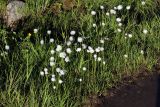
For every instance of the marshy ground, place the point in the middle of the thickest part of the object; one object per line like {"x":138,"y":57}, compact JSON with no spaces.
{"x":142,"y":92}
{"x":80,"y":53}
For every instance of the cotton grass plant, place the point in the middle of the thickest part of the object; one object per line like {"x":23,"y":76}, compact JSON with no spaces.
{"x":63,"y":67}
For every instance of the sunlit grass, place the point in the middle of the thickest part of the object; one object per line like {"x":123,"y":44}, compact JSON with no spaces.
{"x":59,"y":60}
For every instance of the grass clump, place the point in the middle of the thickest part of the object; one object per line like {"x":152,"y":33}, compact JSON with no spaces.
{"x":58,"y":60}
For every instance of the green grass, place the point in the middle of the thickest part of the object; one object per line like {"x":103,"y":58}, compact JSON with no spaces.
{"x":2,"y":8}
{"x":20,"y":81}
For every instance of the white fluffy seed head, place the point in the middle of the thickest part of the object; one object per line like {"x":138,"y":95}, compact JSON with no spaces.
{"x":107,"y":14}
{"x":94,"y":25}
{"x":52,"y":51}
{"x":130,"y":35}
{"x":103,"y":24}
{"x":95,"y":56}
{"x":125,"y":56}
{"x":106,"y":38}
{"x":99,"y":58}
{"x":54,"y":87}
{"x":145,"y":31}
{"x":115,"y":8}
{"x":93,"y":13}
{"x":69,"y":43}
{"x":45,"y":72}
{"x":84,"y":68}
{"x":7,"y":47}
{"x":68,"y":50}
{"x":112,"y":11}
{"x":80,"y":39}
{"x":101,"y":48}
{"x":84,"y":46}
{"x":51,"y":40}
{"x":49,"y":32}
{"x":78,"y":49}
{"x":53,"y":79}
{"x":67,"y":59}
{"x":42,"y":42}
{"x":128,"y":7}
{"x":118,"y":19}
{"x":102,"y":7}
{"x":104,"y":62}
{"x":102,"y":41}
{"x":60,"y":81}
{"x":45,"y":69}
{"x":35,"y":30}
{"x":72,"y":32}
{"x":51,"y":58}
{"x":97,"y":50}
{"x":71,"y":38}
{"x":58,"y":70}
{"x":42,"y":73}
{"x":80,"y":80}
{"x":119,"y":24}
{"x":59,"y":48}
{"x":53,"y":76}
{"x":61,"y":72}
{"x":119,"y":7}
{"x":142,"y":52}
{"x":52,"y":63}
{"x":62,"y":54}
{"x":119,"y":30}
{"x":143,"y":2}
{"x":90,"y":49}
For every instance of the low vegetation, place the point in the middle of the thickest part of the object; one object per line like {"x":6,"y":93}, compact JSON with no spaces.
{"x":59,"y":56}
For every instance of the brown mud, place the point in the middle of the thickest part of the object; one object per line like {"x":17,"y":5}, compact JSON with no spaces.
{"x":141,"y":93}
{"x":141,"y":90}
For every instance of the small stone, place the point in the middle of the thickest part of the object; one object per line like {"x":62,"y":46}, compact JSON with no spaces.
{"x":14,"y":12}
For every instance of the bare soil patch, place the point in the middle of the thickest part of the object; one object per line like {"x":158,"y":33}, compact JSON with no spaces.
{"x":140,"y":93}
{"x":137,"y":91}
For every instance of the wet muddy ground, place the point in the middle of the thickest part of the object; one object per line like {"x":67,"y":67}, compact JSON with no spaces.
{"x":140,"y":91}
